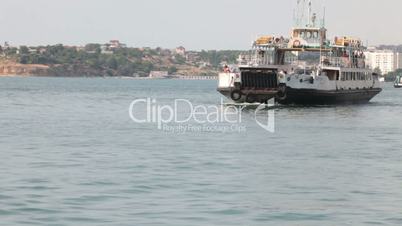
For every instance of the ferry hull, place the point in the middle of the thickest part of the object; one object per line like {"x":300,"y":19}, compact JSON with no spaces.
{"x":322,"y":97}
{"x":306,"y":96}
{"x":249,"y":96}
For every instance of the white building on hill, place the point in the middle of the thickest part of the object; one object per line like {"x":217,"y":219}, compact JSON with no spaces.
{"x":158,"y":74}
{"x":382,"y":59}
{"x":398,"y":61}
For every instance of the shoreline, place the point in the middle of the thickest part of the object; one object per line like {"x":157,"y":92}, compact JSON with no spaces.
{"x":113,"y":77}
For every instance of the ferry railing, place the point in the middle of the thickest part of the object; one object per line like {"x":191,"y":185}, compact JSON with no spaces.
{"x":262,"y":59}
{"x":343,"y":62}
{"x":347,"y":62}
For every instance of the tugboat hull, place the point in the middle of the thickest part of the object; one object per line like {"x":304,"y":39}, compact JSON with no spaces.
{"x":323,"y":97}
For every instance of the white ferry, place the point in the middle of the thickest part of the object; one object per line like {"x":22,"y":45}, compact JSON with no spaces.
{"x":306,"y":68}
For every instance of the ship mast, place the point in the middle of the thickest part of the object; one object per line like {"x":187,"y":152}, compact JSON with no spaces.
{"x":304,"y":17}
{"x":309,"y":14}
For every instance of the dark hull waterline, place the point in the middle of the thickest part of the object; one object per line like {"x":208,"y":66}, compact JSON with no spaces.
{"x":313,"y":97}
{"x":299,"y":96}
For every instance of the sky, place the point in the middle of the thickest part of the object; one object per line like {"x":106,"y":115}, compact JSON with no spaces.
{"x":196,"y":25}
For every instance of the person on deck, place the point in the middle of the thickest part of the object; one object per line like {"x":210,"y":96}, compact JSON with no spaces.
{"x":226,"y":69}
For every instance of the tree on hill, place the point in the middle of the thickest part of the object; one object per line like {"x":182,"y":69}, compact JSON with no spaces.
{"x":378,"y":71}
{"x":24,"y":50}
{"x":172,"y":70}
{"x":390,"y":77}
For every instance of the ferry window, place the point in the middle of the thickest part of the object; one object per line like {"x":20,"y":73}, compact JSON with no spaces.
{"x":301,"y":71}
{"x":309,"y":34}
{"x":315,"y":34}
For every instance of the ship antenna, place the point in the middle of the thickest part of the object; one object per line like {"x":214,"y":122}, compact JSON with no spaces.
{"x":321,"y":42}
{"x":297,"y":14}
{"x":323,"y":18}
{"x":302,"y":17}
{"x":309,"y":13}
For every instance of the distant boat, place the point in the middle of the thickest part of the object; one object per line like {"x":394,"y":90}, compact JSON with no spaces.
{"x":398,"y":81}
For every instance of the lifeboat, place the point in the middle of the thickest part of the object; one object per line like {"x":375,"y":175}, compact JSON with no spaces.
{"x":348,"y":41}
{"x":265,"y":40}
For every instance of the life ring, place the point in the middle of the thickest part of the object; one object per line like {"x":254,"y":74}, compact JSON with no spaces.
{"x":236,"y":95}
{"x":251,"y":98}
{"x":297,"y":43}
{"x":282,"y":94}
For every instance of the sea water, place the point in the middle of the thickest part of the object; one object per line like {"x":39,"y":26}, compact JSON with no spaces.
{"x":70,"y":154}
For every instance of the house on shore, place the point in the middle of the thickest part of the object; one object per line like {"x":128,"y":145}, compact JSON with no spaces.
{"x":158,"y":74}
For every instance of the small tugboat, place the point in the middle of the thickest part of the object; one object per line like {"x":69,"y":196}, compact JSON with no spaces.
{"x":306,"y":68}
{"x":398,"y":81}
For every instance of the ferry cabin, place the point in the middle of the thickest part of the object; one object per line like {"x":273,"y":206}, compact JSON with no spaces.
{"x":330,"y":78}
{"x":339,"y":66}
{"x":308,"y":37}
